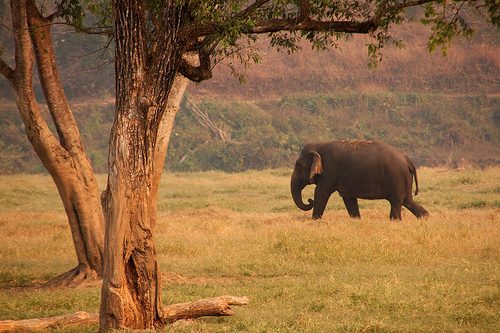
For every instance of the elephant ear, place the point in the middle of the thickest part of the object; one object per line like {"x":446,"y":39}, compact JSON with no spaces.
{"x":316,"y":167}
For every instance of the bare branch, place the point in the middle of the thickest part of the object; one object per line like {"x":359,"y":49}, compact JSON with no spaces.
{"x":104,"y":30}
{"x":98,"y":30}
{"x":252,"y":8}
{"x":205,"y":121}
{"x":6,"y":27}
{"x":6,"y":71}
{"x":57,"y":13}
{"x":413,"y":3}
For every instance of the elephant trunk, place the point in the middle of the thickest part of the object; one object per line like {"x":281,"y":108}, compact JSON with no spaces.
{"x":296,"y":188}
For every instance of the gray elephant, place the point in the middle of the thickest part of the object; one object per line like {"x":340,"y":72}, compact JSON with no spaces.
{"x":356,"y":169}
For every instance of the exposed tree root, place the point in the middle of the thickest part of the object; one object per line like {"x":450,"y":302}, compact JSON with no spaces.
{"x":217,"y":306}
{"x":80,"y":276}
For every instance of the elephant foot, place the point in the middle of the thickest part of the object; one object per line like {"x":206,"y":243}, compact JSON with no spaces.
{"x":423,"y":215}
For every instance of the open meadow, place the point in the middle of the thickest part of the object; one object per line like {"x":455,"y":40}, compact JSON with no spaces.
{"x":241,"y":234}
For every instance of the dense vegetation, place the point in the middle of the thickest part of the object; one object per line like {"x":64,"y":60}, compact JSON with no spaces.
{"x":334,"y":275}
{"x":440,"y":110}
{"x":433,"y":129}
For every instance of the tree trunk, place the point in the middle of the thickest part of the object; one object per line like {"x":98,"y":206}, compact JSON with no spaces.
{"x":131,"y":290}
{"x":167,"y":123}
{"x":64,"y":158}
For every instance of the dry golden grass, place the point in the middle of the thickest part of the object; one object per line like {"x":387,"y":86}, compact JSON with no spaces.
{"x":240,"y":234}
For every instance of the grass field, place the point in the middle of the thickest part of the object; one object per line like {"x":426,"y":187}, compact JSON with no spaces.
{"x":240,"y":234}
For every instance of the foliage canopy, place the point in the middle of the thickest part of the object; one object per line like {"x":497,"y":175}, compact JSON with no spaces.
{"x":217,"y":29}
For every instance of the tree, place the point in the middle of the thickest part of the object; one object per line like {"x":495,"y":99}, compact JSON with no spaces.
{"x":63,"y":156}
{"x":152,"y":38}
{"x":155,"y":42}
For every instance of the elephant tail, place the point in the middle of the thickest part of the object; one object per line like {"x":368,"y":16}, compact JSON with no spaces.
{"x":413,"y":171}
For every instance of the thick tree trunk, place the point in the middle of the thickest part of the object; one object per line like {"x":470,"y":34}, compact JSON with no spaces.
{"x":64,"y":158}
{"x":131,"y":291}
{"x":130,"y":295}
{"x":85,"y":219}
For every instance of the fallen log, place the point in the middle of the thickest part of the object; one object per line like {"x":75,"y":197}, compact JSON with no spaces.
{"x":217,"y":306}
{"x":39,"y":324}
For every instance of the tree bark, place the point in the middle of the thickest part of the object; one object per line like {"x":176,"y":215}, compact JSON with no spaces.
{"x":64,"y":157}
{"x":167,"y":123}
{"x":131,"y":291}
{"x":42,"y":324}
{"x":216,"y":306}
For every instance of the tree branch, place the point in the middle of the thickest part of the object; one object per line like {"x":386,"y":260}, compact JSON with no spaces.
{"x":383,"y":9}
{"x":57,"y":13}
{"x":201,"y":72}
{"x":304,"y":10}
{"x":6,"y":71}
{"x":413,"y":3}
{"x":275,"y":25}
{"x":251,"y":8}
{"x":301,"y":22}
{"x":57,"y":102}
{"x":97,"y":30}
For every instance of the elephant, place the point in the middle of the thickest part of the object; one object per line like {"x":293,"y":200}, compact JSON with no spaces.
{"x":355,"y":169}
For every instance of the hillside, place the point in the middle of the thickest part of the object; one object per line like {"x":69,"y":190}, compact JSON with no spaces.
{"x":433,"y":129}
{"x":471,"y":66}
{"x":441,"y":110}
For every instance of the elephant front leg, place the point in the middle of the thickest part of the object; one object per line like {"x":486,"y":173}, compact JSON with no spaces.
{"x":320,"y":200}
{"x":352,"y":207}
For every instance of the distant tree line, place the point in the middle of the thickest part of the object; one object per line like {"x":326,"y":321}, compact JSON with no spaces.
{"x":433,"y":129}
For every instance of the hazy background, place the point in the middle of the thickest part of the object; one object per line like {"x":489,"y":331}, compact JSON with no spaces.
{"x":440,"y":110}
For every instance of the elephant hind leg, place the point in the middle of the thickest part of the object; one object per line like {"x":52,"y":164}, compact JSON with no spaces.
{"x":415,"y":208}
{"x":351,"y":204}
{"x":395,"y":210}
